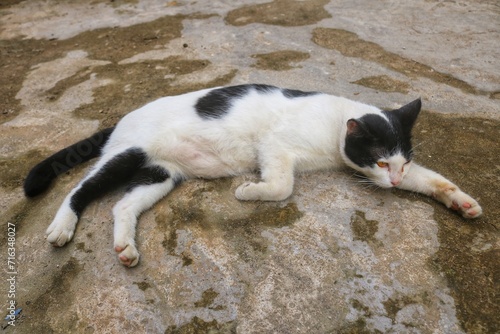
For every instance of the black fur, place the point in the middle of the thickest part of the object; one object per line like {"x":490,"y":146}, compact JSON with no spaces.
{"x":125,"y":168}
{"x":293,"y":93}
{"x":373,"y":137}
{"x":40,"y":177}
{"x":178,"y":179}
{"x":218,"y":101}
{"x":148,"y":175}
{"x":406,"y":115}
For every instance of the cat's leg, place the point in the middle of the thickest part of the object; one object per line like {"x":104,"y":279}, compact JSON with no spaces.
{"x":149,"y":185}
{"x":428,"y":182}
{"x":62,"y":228}
{"x":110,"y":172}
{"x":277,"y":179}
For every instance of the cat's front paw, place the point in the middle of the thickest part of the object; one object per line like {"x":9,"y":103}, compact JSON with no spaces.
{"x":457,"y":200}
{"x":247,"y":192}
{"x":467,"y":206}
{"x":128,"y":255}
{"x":263,"y":191}
{"x":61,"y":230}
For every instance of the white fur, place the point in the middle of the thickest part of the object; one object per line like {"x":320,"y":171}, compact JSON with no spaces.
{"x":270,"y":132}
{"x":386,"y":177}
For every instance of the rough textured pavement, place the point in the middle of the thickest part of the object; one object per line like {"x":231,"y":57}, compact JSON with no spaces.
{"x":336,"y":257}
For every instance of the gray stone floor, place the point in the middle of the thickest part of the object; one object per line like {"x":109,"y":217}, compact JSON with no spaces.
{"x":336,"y":257}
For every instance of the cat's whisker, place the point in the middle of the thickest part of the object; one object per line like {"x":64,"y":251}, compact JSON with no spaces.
{"x":412,"y":151}
{"x":357,"y":174}
{"x":365,"y":181}
{"x":361,"y":178}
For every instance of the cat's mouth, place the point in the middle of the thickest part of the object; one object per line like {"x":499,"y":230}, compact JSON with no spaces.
{"x":385,"y":184}
{"x":381,"y":184}
{"x":372,"y":182}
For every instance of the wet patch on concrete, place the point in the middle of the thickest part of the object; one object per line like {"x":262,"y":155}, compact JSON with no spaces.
{"x":198,"y":325}
{"x":117,"y":3}
{"x":279,"y":60}
{"x":357,"y":327}
{"x":364,"y":229}
{"x":8,"y":3}
{"x":351,"y":45}
{"x":17,"y":57}
{"x":130,"y":95}
{"x":81,"y":247}
{"x":60,"y":291}
{"x":470,"y":159}
{"x":207,"y":298}
{"x":384,"y":83}
{"x":134,"y":85}
{"x":13,"y":171}
{"x":280,"y":12}
{"x":240,"y":223}
{"x":143,"y":286}
{"x":115,"y":44}
{"x":109,"y":44}
{"x":394,"y":305}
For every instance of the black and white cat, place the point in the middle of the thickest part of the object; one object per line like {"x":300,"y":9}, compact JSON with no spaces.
{"x":228,"y":131}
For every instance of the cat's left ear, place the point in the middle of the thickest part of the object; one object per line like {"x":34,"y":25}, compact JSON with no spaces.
{"x":407,"y":114}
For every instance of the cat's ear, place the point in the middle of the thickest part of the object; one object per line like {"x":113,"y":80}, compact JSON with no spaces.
{"x":356,"y":128}
{"x":407,"y":114}
{"x":352,"y":126}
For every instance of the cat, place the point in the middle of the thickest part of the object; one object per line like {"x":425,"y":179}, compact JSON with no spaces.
{"x":227,"y":131}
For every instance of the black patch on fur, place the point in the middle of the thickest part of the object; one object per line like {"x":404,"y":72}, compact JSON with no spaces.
{"x":406,"y":115}
{"x":117,"y":172}
{"x":148,"y":175}
{"x":371,"y":140}
{"x":263,"y":88}
{"x":178,"y":180}
{"x":373,"y":137}
{"x":218,"y":101}
{"x":293,"y":93}
{"x":40,"y":177}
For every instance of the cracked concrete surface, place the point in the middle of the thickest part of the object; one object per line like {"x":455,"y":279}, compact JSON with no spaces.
{"x":336,"y":257}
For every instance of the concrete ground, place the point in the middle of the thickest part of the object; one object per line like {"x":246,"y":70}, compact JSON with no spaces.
{"x":336,"y":257}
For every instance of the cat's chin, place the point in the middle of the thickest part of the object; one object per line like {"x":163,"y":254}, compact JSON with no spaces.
{"x":385,"y":185}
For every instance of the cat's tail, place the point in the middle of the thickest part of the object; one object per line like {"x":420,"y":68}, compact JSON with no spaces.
{"x":40,"y":177}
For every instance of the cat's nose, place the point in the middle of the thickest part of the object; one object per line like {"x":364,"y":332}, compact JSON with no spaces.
{"x":395,"y":182}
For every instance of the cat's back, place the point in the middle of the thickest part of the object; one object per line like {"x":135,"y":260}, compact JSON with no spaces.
{"x":239,"y":113}
{"x":239,"y":108}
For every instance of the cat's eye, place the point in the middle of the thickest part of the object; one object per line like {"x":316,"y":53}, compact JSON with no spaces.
{"x":382,"y":164}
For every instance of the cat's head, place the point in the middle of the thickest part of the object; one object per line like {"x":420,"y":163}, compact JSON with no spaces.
{"x":379,"y":145}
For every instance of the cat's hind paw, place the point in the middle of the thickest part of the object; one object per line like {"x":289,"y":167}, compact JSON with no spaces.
{"x":61,"y":230}
{"x":128,"y":255}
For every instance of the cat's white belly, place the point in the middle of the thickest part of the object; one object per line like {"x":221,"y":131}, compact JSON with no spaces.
{"x":209,"y":160}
